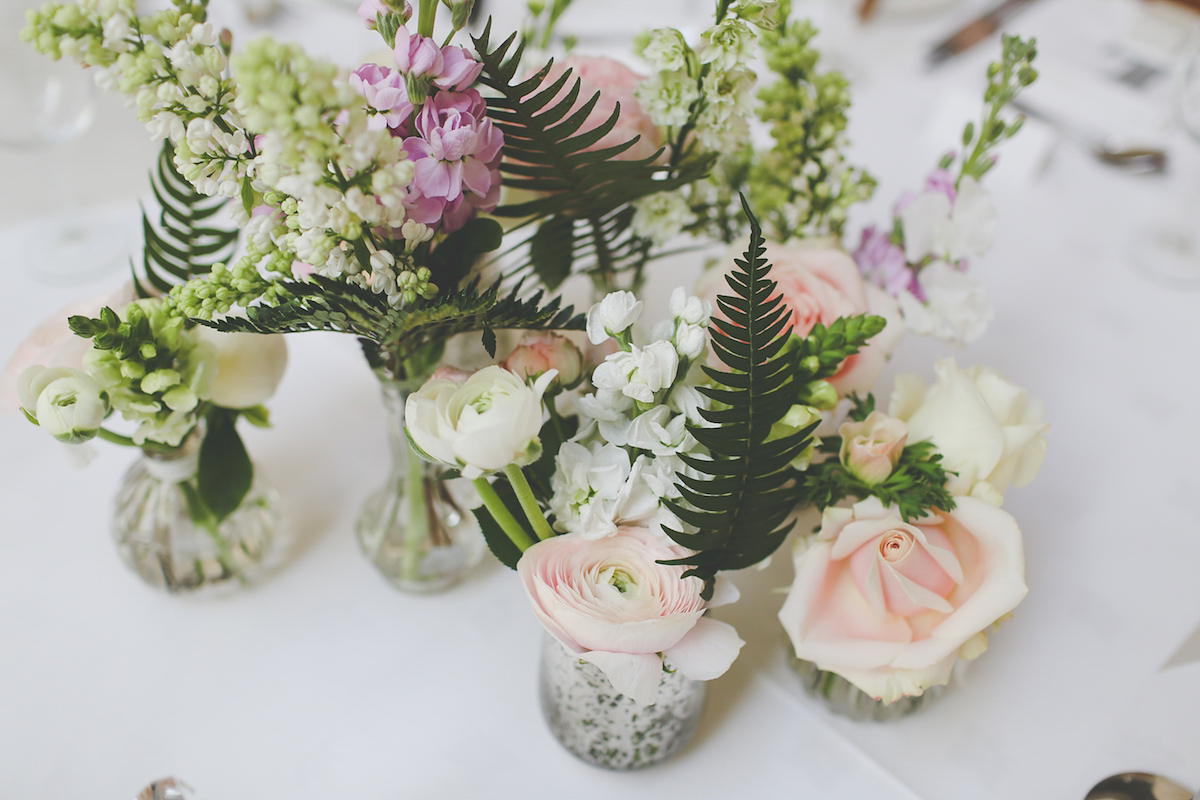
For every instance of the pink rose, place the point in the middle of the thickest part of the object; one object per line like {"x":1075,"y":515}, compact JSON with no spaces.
{"x":890,"y":605}
{"x":819,"y":282}
{"x":612,"y":603}
{"x":542,"y":351}
{"x":52,"y":344}
{"x":872,"y":448}
{"x":616,"y":83}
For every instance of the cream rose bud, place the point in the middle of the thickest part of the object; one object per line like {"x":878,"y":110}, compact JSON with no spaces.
{"x":67,"y":403}
{"x":490,"y":420}
{"x":541,"y":351}
{"x":610,"y":601}
{"x":989,"y":431}
{"x":872,"y":448}
{"x":613,"y":315}
{"x":890,"y":605}
{"x":249,"y":367}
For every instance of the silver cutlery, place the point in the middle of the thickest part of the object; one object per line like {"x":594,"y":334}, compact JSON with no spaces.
{"x":1105,"y":148}
{"x":1138,"y":786}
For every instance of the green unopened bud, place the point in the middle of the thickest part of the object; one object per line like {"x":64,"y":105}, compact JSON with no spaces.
{"x":822,"y":395}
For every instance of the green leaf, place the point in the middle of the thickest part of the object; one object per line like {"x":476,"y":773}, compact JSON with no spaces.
{"x":489,"y":342}
{"x":497,"y":540}
{"x":551,"y":251}
{"x":224,"y":473}
{"x":258,"y":416}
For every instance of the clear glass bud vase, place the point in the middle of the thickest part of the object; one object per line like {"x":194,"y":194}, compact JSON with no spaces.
{"x":417,"y":530}
{"x":158,"y":538}
{"x":843,"y":697}
{"x":607,"y":729}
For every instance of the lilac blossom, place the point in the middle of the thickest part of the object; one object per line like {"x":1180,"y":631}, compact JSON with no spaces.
{"x":882,"y":262}
{"x":456,"y":160}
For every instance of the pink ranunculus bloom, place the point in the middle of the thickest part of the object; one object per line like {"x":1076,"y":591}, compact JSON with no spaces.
{"x":52,"y":344}
{"x":819,"y":282}
{"x":882,"y":263}
{"x":872,"y":448}
{"x":542,"y":351}
{"x":610,"y":601}
{"x":385,"y":91}
{"x":890,"y":605}
{"x":616,"y":83}
{"x":416,"y":54}
{"x":456,"y":155}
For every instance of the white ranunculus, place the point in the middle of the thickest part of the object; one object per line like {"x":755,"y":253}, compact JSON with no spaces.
{"x":955,"y":309}
{"x":490,"y":420}
{"x":249,"y":367}
{"x":988,"y":430}
{"x":67,"y":403}
{"x":640,"y":373}
{"x":613,"y":315}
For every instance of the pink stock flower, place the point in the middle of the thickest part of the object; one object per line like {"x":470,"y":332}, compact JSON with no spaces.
{"x":385,"y":91}
{"x":882,"y":262}
{"x":416,"y":54}
{"x":890,"y":605}
{"x":616,"y":83}
{"x":456,"y":160}
{"x":610,"y":601}
{"x":369,"y":10}
{"x":459,"y":69}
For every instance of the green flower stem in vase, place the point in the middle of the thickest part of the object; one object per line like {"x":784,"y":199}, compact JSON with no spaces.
{"x":164,"y":533}
{"x":843,"y":697}
{"x":416,"y":529}
{"x":607,"y":729}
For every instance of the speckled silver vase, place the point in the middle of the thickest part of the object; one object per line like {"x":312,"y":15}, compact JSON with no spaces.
{"x":843,"y":697}
{"x":607,"y":729}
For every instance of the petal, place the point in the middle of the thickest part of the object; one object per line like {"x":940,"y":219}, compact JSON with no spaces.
{"x":707,"y":650}
{"x":635,"y":676}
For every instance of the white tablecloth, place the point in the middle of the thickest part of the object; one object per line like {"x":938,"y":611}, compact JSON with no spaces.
{"x":323,"y":682}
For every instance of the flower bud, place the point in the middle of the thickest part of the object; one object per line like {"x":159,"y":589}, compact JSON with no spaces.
{"x":542,"y":351}
{"x":872,"y":448}
{"x":612,"y":316}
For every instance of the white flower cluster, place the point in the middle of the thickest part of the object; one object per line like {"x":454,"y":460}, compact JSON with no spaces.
{"x":661,"y":217}
{"x":625,"y":459}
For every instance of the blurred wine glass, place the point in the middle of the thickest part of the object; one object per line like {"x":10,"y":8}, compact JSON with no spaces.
{"x":1168,"y":250}
{"x":44,"y":103}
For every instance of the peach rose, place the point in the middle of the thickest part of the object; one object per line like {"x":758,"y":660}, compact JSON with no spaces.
{"x":872,"y":448}
{"x":820,"y":282}
{"x":616,"y":83}
{"x":890,"y":605}
{"x":612,"y":603}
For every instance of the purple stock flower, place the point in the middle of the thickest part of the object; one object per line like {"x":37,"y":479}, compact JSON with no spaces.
{"x":368,"y":10}
{"x":459,"y":69}
{"x":385,"y":91}
{"x":456,"y":160}
{"x":882,"y":262}
{"x":417,"y":55}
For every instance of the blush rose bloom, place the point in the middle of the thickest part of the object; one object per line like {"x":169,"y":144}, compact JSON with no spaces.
{"x":486,"y":422}
{"x":988,"y":430}
{"x":820,"y":282}
{"x":890,"y":605}
{"x":541,"y":351}
{"x":872,"y":448}
{"x":616,"y":83}
{"x":610,"y":602}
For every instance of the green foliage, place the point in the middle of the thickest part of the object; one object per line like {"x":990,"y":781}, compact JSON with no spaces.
{"x":224,"y":472}
{"x":1006,"y":78}
{"x":497,"y":540}
{"x":183,"y":243}
{"x":580,"y":203}
{"x":741,"y":504}
{"x":396,"y":338}
{"x":916,"y":485}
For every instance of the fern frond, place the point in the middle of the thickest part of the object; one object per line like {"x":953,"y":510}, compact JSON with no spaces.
{"x":741,"y":503}
{"x":183,"y":243}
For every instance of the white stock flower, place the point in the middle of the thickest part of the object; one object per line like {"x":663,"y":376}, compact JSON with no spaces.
{"x":690,"y":341}
{"x":660,"y":432}
{"x":952,"y":231}
{"x":639,"y":374}
{"x":955,"y":308}
{"x":598,"y":489}
{"x":661,"y":217}
{"x":668,"y":97}
{"x":666,"y":51}
{"x":689,"y":308}
{"x":67,"y":403}
{"x":484,"y":424}
{"x":613,"y":315}
{"x":727,"y":44}
{"x":989,"y":431}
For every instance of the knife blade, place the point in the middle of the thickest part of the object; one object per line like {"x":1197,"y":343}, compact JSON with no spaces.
{"x":974,"y":31}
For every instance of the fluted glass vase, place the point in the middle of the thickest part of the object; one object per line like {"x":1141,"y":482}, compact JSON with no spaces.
{"x":843,"y":697}
{"x":417,"y":530}
{"x":162,"y":535}
{"x":607,"y":729}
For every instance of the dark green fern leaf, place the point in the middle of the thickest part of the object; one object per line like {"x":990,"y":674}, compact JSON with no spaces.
{"x":740,"y":508}
{"x":183,"y":243}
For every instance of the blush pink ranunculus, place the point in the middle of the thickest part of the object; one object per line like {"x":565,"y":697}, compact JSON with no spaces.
{"x":890,"y":605}
{"x":52,"y":344}
{"x":610,"y":601}
{"x":616,"y":83}
{"x":542,"y":351}
{"x":820,"y":282}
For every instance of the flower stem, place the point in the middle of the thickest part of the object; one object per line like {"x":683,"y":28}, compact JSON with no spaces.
{"x":528,"y":502}
{"x":417,"y":529}
{"x":501,"y":514}
{"x":427,"y":15}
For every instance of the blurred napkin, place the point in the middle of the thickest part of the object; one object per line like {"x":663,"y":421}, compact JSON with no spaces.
{"x":1187,"y":653}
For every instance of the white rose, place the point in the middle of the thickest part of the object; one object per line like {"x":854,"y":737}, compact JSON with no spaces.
{"x":490,"y":420}
{"x":67,"y":403}
{"x":988,"y":430}
{"x":613,"y":315}
{"x":249,"y":367}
